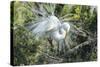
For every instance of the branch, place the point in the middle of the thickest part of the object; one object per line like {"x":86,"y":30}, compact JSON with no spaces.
{"x":54,"y":58}
{"x":81,"y":45}
{"x":51,"y":57}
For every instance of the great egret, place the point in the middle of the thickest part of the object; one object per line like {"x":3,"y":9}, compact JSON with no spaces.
{"x":52,"y":28}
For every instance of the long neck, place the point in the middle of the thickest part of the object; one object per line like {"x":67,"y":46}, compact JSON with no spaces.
{"x":62,"y":32}
{"x":59,"y":34}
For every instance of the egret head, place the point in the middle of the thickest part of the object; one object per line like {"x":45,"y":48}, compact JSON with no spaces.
{"x":66,"y":26}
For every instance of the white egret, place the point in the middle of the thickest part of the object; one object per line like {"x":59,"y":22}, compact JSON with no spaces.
{"x":50,"y":27}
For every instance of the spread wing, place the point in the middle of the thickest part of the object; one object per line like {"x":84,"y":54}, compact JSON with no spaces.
{"x":42,"y":28}
{"x":44,"y":24}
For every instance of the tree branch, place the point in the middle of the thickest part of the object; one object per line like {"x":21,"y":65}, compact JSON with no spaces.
{"x":81,"y":45}
{"x":52,"y":57}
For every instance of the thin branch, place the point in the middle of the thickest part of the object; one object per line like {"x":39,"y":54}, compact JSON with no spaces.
{"x":81,"y":45}
{"x":49,"y":56}
{"x":52,"y":57}
{"x":67,"y":15}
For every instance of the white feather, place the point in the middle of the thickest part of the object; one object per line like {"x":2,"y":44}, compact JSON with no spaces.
{"x":51,"y":23}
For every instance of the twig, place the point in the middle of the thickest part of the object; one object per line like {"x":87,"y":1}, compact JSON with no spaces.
{"x":81,"y":45}
{"x":51,"y":57}
{"x":55,"y":58}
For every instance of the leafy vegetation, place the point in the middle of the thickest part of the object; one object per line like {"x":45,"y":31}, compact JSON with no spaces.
{"x":27,"y":50}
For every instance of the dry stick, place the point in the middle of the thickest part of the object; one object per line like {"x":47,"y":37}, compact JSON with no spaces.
{"x":81,"y":45}
{"x":52,"y":57}
{"x":55,"y":58}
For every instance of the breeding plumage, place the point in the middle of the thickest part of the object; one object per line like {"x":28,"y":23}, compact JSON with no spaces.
{"x":49,"y":26}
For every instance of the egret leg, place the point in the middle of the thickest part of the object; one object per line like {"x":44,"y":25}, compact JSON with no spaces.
{"x":64,"y":46}
{"x":50,"y":41}
{"x":59,"y":47}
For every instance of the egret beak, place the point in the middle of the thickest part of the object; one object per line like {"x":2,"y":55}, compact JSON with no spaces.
{"x":68,"y":47}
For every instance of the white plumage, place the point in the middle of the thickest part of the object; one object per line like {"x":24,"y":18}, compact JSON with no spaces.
{"x":52,"y":28}
{"x":46,"y":26}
